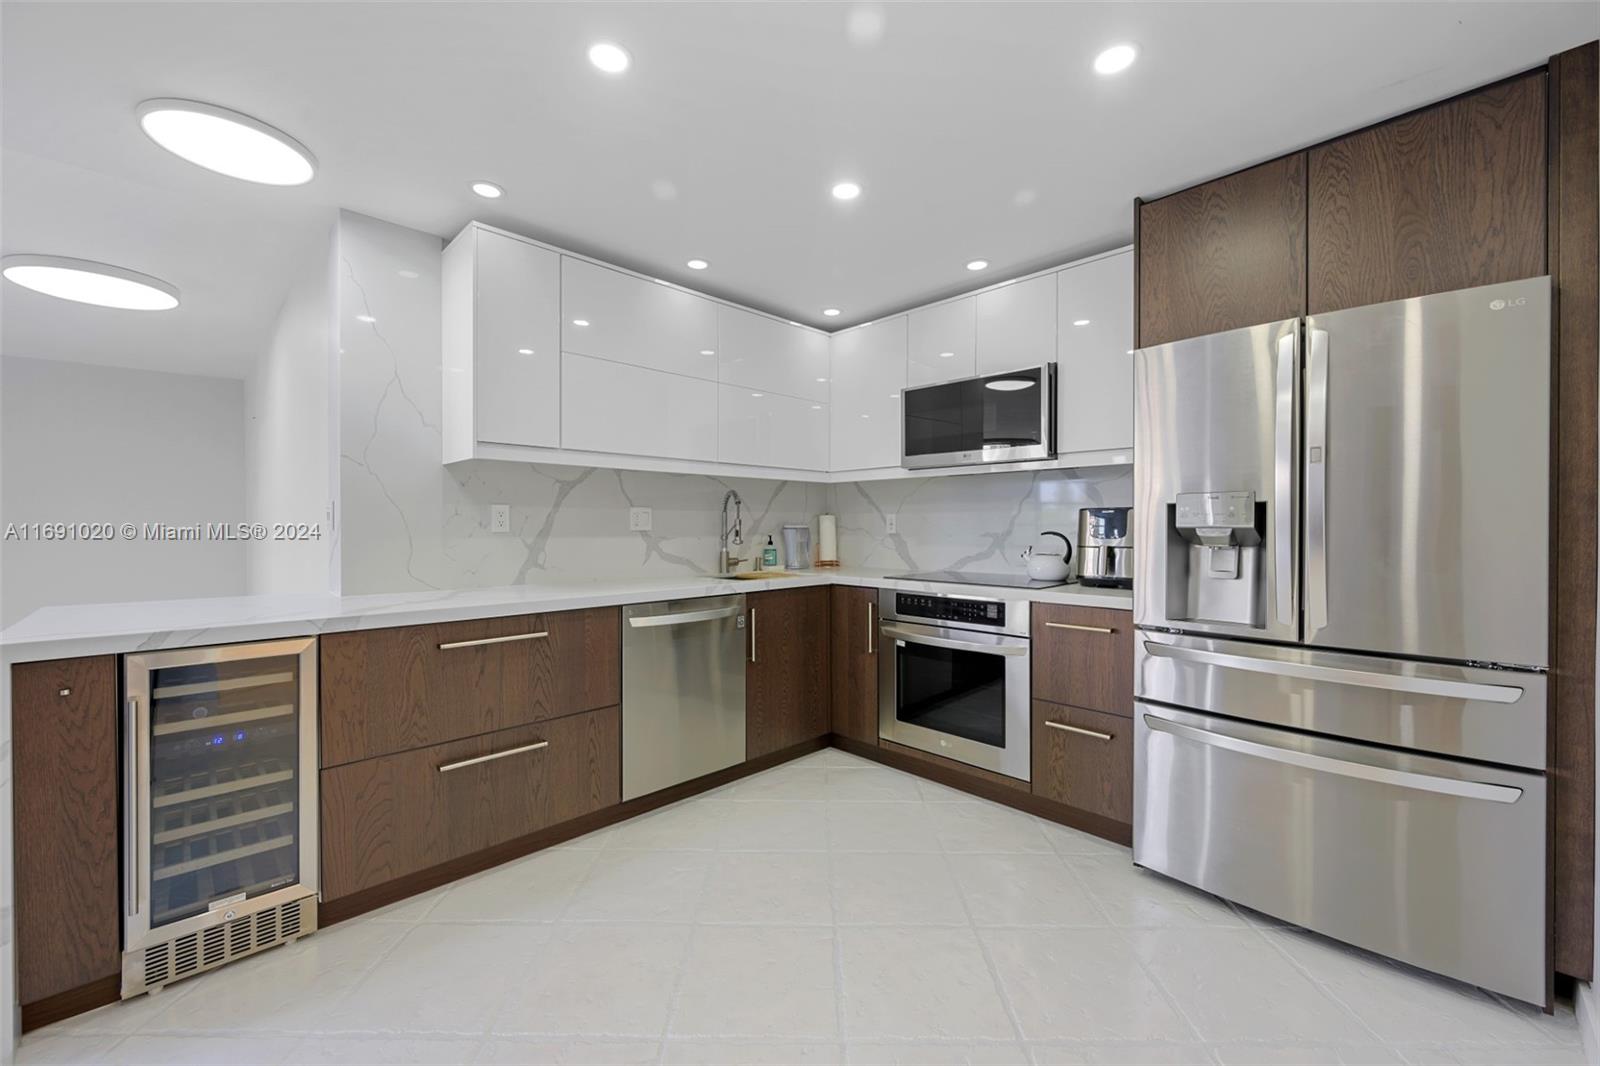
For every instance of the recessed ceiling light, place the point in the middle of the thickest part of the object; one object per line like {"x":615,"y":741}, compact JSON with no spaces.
{"x":822,"y":379}
{"x":1081,"y":322}
{"x":524,"y":351}
{"x":488,"y":190}
{"x":580,"y":322}
{"x":831,"y":312}
{"x":816,"y":407}
{"x":697,"y":264}
{"x":846,"y":190}
{"x":978,"y":264}
{"x":365,"y":318}
{"x":1116,"y":59}
{"x":611,"y":58}
{"x":88,"y":282}
{"x":757,"y":395}
{"x":227,"y":142}
{"x":708,"y":351}
{"x":947,"y":355}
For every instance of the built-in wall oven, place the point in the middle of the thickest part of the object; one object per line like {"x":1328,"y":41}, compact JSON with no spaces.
{"x":996,"y":418}
{"x":953,"y":677}
{"x":221,"y":806}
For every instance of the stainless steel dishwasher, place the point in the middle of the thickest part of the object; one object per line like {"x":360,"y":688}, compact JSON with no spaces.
{"x":682,"y":690}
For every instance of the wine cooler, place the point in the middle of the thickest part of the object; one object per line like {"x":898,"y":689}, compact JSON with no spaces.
{"x":220,"y":801}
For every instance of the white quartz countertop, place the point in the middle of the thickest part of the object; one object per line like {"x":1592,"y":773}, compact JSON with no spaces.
{"x":109,"y":628}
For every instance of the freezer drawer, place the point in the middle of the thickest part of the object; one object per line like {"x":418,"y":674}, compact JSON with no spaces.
{"x":1436,"y":863}
{"x":1493,"y":716}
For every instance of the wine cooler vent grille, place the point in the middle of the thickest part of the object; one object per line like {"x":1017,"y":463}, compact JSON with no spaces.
{"x":196,"y":952}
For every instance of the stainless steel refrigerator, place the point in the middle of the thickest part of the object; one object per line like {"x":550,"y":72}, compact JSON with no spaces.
{"x":1342,"y":546}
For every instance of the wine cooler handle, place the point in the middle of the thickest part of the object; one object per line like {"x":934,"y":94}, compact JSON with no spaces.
{"x":130,"y":792}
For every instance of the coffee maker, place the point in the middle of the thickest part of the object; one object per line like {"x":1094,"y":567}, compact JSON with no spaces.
{"x":1105,"y":547}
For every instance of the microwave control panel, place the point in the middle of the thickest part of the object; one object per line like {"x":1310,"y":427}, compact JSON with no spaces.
{"x":951,"y":609}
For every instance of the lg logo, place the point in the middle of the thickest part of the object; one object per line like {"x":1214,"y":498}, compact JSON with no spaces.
{"x":1501,"y":305}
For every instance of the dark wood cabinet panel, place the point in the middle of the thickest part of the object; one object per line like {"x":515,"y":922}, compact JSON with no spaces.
{"x":1223,"y":255}
{"x":1442,"y":199}
{"x":1575,"y":273}
{"x":854,"y":629}
{"x":65,"y":759}
{"x":1083,"y":656}
{"x":389,"y":817}
{"x":787,"y":671}
{"x":1084,"y":759}
{"x":391,"y":690}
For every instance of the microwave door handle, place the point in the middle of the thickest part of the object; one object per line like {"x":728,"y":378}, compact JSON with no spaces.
{"x":1283,"y":575}
{"x":908,"y":637}
{"x":1316,"y":597}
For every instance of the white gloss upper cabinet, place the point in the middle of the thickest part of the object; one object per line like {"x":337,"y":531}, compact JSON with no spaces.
{"x":869,"y":370}
{"x":500,"y":344}
{"x":758,"y":428}
{"x":1094,"y":371}
{"x":942,"y":342}
{"x":766,"y":354}
{"x":1016,"y":325}
{"x":632,"y":410}
{"x":611,"y":315}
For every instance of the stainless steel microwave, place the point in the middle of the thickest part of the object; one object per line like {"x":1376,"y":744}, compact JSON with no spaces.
{"x":996,"y":418}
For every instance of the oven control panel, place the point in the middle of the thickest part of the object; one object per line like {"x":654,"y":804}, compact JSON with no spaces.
{"x":951,"y":609}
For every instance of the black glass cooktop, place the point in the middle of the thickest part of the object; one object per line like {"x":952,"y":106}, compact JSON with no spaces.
{"x":963,"y":577}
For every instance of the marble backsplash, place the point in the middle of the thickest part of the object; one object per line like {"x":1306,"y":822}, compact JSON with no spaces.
{"x":974,"y":522}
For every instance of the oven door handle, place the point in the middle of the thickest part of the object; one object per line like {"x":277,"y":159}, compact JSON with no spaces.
{"x":909,"y":637}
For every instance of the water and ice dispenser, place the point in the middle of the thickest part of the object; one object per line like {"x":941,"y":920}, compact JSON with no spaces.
{"x":1218,"y":577}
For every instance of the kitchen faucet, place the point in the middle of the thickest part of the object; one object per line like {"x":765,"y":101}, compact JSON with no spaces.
{"x":726,"y":562}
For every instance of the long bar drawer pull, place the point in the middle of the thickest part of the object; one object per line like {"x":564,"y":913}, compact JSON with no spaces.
{"x":493,"y":640}
{"x":492,"y":756}
{"x":1339,"y":675}
{"x":1081,"y":629}
{"x":1448,"y":786}
{"x":1065,"y":728}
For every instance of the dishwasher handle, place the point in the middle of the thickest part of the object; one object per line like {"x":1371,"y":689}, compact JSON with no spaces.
{"x":684,"y":618}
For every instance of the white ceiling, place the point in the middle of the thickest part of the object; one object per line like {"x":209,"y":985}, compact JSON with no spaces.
{"x":976,"y":129}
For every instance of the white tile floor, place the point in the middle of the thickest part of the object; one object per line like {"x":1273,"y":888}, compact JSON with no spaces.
{"x":827,"y":911}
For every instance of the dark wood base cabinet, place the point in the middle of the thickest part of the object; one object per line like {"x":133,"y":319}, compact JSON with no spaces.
{"x":65,"y":767}
{"x":1084,"y":759}
{"x":386,"y":818}
{"x":854,"y":629}
{"x":787,"y":671}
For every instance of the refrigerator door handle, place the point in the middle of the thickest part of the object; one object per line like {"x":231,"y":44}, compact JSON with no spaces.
{"x":1338,"y":675}
{"x":1283,"y":575}
{"x":1316,"y":479}
{"x":1480,"y":790}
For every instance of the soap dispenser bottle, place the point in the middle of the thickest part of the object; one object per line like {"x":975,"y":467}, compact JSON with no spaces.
{"x":769,"y":554}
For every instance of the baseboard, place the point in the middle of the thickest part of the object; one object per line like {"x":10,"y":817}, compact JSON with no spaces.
{"x":42,"y":1012}
{"x":1586,"y":1003}
{"x":330,"y":911}
{"x":1009,"y":794}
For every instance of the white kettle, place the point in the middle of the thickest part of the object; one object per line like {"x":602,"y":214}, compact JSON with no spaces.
{"x":1049,"y":566}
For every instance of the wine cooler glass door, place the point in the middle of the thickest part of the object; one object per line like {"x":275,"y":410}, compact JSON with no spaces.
{"x":222,"y":756}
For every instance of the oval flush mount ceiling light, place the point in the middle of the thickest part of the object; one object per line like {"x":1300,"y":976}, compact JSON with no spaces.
{"x":846,"y":190}
{"x":1116,"y":59}
{"x":488,"y":190}
{"x":227,"y":142}
{"x":978,"y":264}
{"x":697,"y":264}
{"x":831,"y":312}
{"x":88,"y":282}
{"x":610,"y":58}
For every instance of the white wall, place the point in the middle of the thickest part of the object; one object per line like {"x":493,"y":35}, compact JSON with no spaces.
{"x":82,"y":443}
{"x":290,"y":437}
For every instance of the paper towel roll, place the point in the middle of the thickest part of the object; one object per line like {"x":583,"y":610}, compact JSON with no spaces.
{"x":827,"y":538}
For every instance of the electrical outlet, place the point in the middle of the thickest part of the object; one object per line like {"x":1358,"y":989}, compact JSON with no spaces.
{"x":889,"y":523}
{"x":638,"y":519}
{"x":499,"y":518}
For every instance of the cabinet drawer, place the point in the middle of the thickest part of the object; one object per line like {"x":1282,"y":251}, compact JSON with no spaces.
{"x":1083,"y":656}
{"x":390,"y":690}
{"x":1084,"y":759}
{"x":393,"y":816}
